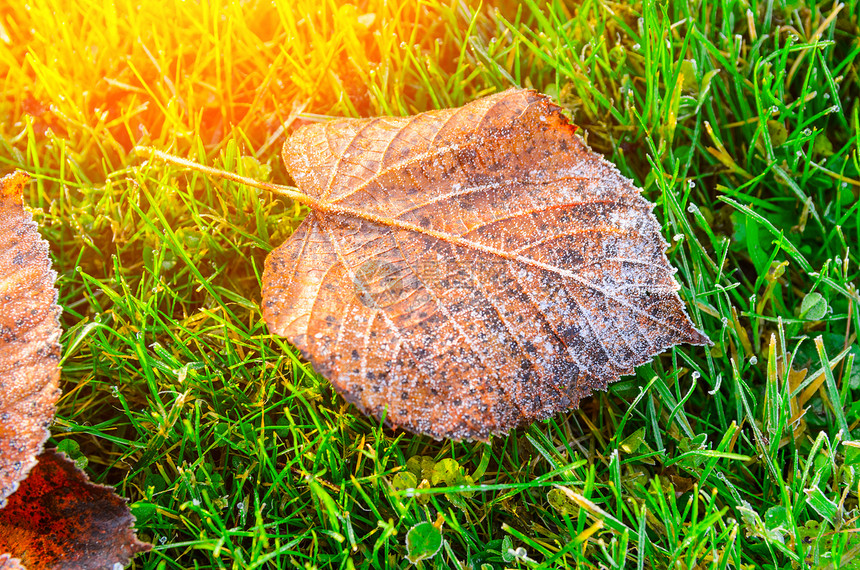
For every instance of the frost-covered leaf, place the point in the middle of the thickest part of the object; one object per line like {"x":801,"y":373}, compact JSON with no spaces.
{"x":423,"y":541}
{"x":468,"y":270}
{"x":820,"y":503}
{"x":29,"y":334}
{"x":813,"y":307}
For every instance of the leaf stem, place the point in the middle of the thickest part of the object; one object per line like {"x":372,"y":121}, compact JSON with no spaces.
{"x":320,"y":205}
{"x":286,"y":191}
{"x":323,"y":206}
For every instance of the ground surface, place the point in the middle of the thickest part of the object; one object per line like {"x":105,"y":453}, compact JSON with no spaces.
{"x":741,"y":121}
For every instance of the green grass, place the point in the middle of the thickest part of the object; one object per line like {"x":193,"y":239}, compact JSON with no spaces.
{"x":740,"y":121}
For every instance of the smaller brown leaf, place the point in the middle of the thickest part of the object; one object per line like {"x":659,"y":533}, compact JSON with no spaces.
{"x":29,"y":331}
{"x":58,"y":519}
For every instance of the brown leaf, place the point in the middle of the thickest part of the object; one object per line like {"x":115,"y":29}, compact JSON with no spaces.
{"x":29,"y":331}
{"x":58,"y":519}
{"x":469,"y":270}
{"x":54,"y":517}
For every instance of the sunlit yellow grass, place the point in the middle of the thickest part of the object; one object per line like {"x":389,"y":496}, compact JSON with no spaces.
{"x":105,"y":77}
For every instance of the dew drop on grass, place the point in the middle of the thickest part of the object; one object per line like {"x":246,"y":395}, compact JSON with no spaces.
{"x":753,"y":360}
{"x":520,"y":553}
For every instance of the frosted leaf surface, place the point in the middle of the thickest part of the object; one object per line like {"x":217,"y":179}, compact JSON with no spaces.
{"x":29,"y":334}
{"x":533,"y":272}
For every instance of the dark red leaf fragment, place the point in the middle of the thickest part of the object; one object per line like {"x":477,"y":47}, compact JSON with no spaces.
{"x":58,"y":519}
